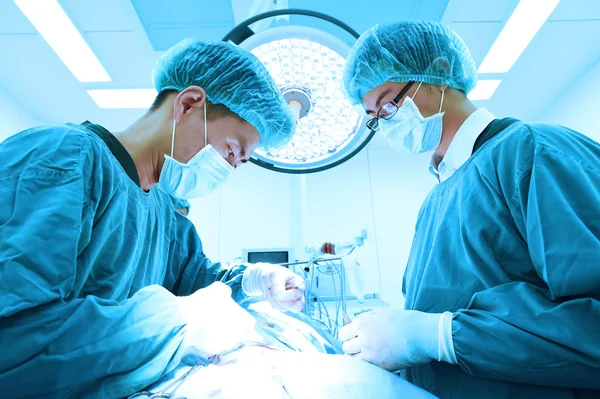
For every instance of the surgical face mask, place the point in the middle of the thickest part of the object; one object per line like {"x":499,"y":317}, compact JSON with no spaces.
{"x":409,"y":131}
{"x":204,"y":173}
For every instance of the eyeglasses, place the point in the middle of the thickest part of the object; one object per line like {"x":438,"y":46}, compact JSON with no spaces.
{"x":389,"y":109}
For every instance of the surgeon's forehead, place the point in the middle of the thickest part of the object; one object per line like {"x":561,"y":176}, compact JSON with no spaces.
{"x":248,"y":138}
{"x":380,"y":95}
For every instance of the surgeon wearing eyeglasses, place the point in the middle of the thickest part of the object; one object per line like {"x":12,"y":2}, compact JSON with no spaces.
{"x":502,"y":286}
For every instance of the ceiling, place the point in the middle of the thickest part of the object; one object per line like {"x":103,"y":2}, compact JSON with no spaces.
{"x":563,"y":50}
{"x":128,"y":35}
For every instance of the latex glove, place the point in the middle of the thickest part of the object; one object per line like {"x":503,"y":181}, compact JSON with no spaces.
{"x":395,"y":339}
{"x":215,"y":323}
{"x":282,"y":288}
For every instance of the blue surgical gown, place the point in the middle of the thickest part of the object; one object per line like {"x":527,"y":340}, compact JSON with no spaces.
{"x":511,"y":244}
{"x":90,"y":266}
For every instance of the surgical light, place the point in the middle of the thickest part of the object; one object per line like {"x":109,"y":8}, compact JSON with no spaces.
{"x":56,"y":28}
{"x":522,"y":26}
{"x":307,"y":66}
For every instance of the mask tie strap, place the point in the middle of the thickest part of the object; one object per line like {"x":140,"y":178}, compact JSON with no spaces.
{"x":205,"y":130}
{"x":416,"y":91}
{"x":442,"y":102}
{"x":173,"y":138}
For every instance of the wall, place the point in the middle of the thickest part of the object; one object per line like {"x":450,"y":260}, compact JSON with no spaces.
{"x":13,"y":116}
{"x":577,"y":107}
{"x":251,"y":210}
{"x":400,"y":184}
{"x":379,"y":189}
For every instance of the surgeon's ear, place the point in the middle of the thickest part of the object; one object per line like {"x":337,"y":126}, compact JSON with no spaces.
{"x":189,"y":100}
{"x":439,"y":67}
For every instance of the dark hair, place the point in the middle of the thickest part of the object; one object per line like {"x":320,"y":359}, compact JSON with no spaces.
{"x":213,"y":111}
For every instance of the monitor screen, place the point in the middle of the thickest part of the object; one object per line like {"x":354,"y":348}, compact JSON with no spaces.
{"x":269,"y":257}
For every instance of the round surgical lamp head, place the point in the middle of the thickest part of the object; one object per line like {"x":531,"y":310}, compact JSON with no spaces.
{"x":307,"y":66}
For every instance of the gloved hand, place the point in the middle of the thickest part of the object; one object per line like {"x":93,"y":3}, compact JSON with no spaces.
{"x":395,"y":339}
{"x":283,"y":288}
{"x":215,"y":323}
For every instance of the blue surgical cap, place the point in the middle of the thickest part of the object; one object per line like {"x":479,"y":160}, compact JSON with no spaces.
{"x":233,"y":77}
{"x":426,"y":52}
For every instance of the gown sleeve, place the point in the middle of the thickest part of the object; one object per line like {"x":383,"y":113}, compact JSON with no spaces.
{"x":190,"y":269}
{"x":546,"y":334}
{"x":53,"y":343}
